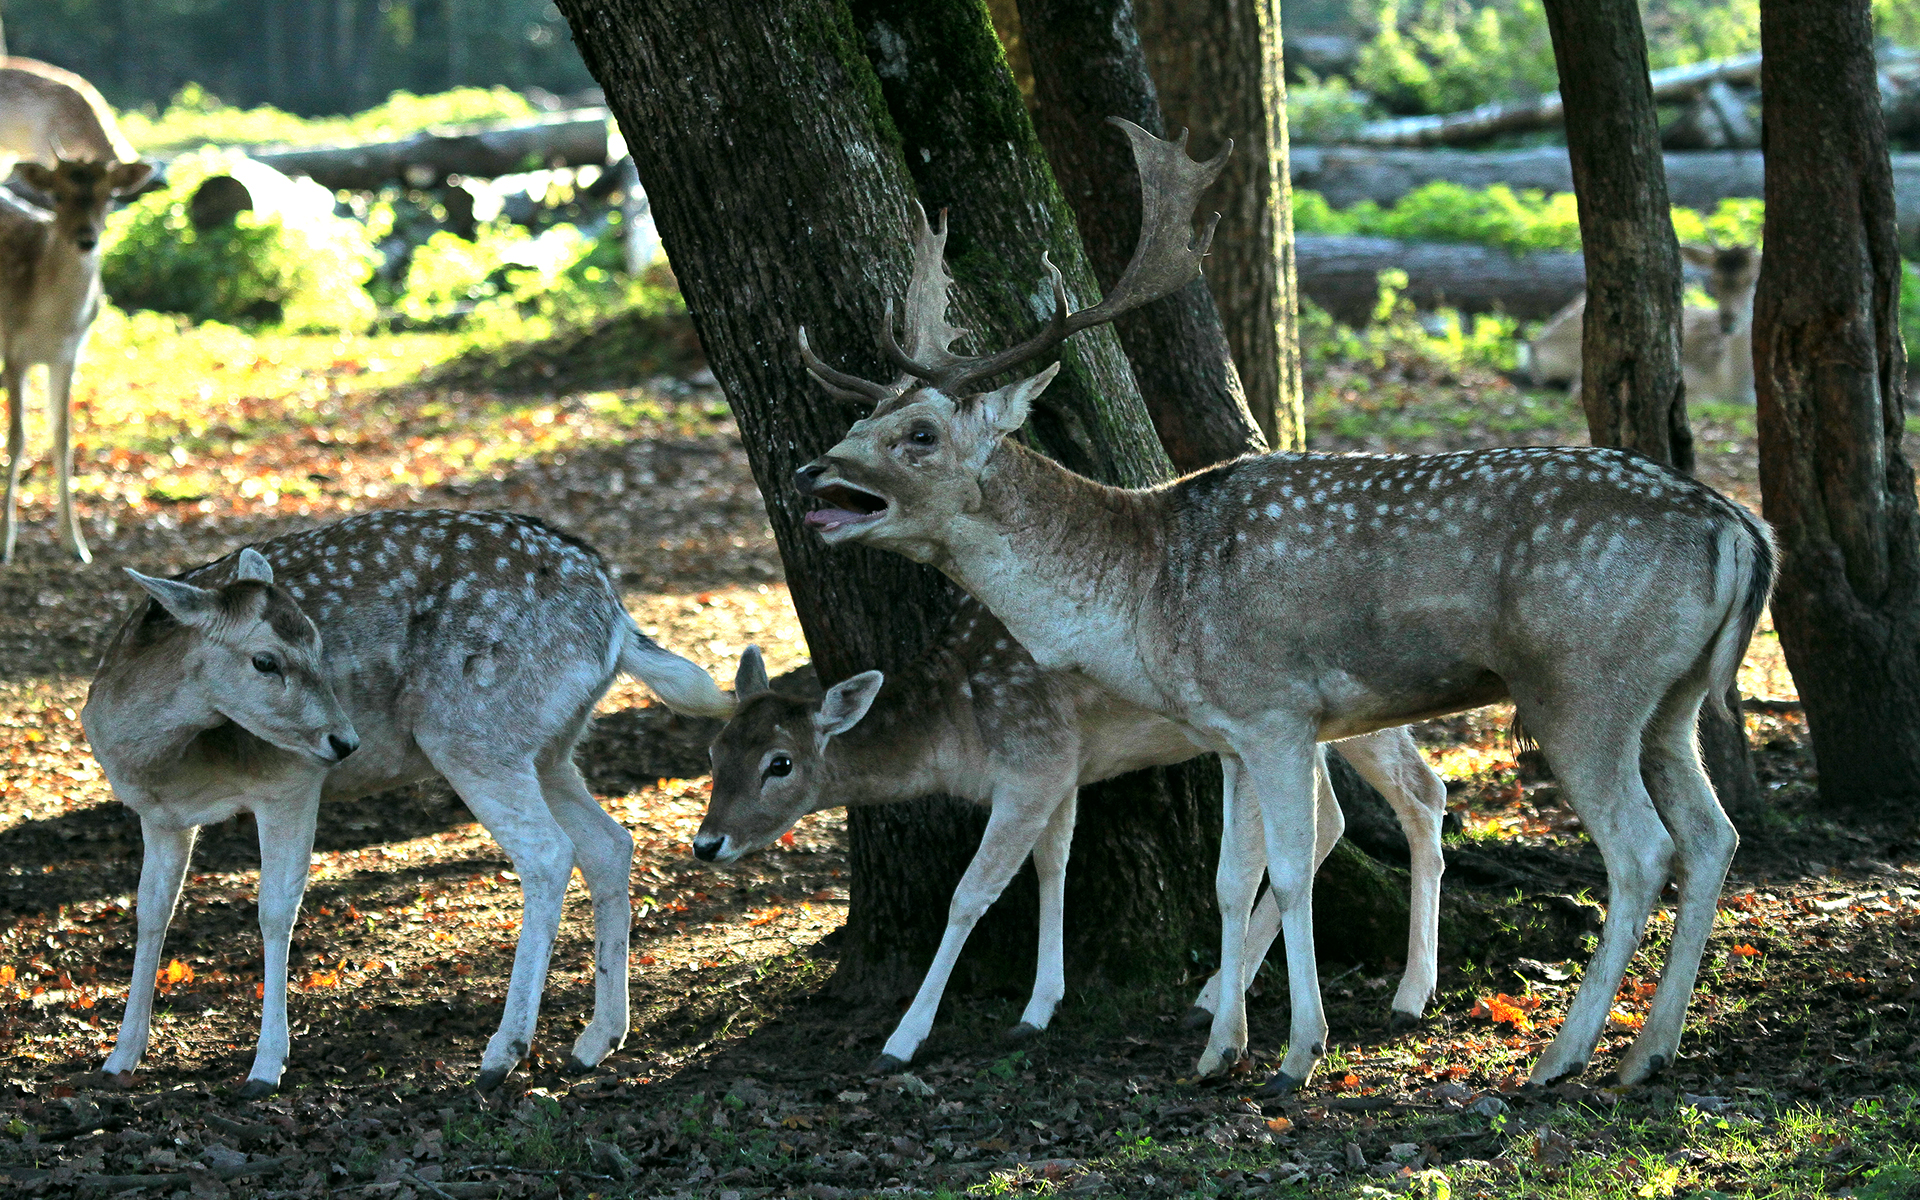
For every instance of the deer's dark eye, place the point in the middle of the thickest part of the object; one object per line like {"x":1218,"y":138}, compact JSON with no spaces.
{"x":780,"y":764}
{"x":924,"y":437}
{"x":266,"y":664}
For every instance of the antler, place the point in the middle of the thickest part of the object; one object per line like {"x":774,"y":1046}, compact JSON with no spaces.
{"x":1166,"y":259}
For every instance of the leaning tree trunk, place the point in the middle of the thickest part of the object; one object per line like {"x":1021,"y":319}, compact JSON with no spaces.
{"x":1630,"y":381}
{"x":1087,"y":66}
{"x":777,"y":168}
{"x":1829,"y":368}
{"x":1218,"y":67}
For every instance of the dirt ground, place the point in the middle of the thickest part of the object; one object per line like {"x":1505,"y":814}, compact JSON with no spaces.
{"x":742,"y":1077}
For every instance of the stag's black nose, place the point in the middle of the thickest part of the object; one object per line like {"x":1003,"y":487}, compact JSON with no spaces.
{"x":87,"y":241}
{"x":342,"y":746}
{"x":807,"y":476}
{"x":707,"y":846}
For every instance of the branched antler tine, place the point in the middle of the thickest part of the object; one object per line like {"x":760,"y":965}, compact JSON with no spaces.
{"x":839,"y":383}
{"x":1166,"y":258}
{"x":929,"y":337}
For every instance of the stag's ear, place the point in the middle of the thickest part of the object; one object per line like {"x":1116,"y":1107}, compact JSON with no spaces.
{"x":751,"y":678}
{"x":1704,"y":257}
{"x":254,"y":568}
{"x":1006,"y":408}
{"x":846,"y":702}
{"x":37,"y":175}
{"x":128,"y":178}
{"x":184,"y":602}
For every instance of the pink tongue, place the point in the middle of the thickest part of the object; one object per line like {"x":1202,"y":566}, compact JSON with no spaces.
{"x":832,"y":518}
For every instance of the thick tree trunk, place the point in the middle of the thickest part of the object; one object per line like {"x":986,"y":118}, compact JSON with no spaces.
{"x":1217,"y":64}
{"x":1087,"y":66}
{"x":776,"y":158}
{"x":1830,"y":368}
{"x":1630,"y":349}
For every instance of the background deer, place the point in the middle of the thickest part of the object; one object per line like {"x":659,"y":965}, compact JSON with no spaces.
{"x":49,"y":295}
{"x":1278,"y":600}
{"x":1716,"y":344}
{"x":47,"y":113}
{"x":977,"y":719}
{"x":361,"y":656}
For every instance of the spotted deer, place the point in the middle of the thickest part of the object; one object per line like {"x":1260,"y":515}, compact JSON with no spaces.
{"x":47,"y":113}
{"x":49,"y":295}
{"x":364,"y":655}
{"x":1279,"y":600}
{"x":976,"y":718}
{"x":1716,"y":344}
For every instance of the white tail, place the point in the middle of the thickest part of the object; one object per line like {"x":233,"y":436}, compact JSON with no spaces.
{"x":977,"y":719}
{"x":1716,"y":344}
{"x":49,"y":294}
{"x":1276,"y":601}
{"x":359,"y":657}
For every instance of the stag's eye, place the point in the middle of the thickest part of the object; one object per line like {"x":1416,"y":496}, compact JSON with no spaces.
{"x":266,"y":664}
{"x":924,"y":436}
{"x":780,"y":764}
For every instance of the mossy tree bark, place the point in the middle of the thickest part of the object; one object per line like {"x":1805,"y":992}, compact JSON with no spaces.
{"x":1631,"y":387}
{"x":775,"y":141}
{"x":1217,"y":66}
{"x":1830,"y":370}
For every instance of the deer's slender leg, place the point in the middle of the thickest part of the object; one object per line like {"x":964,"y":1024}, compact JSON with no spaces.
{"x":1597,"y":763}
{"x":1050,"y":864}
{"x":1393,"y":764}
{"x":1704,"y":842}
{"x":16,"y":384}
{"x":1012,"y":830}
{"x":163,"y":869}
{"x":1236,"y":878}
{"x":1281,"y":760}
{"x":603,"y":850}
{"x":509,"y":802}
{"x":60,"y":404}
{"x":286,"y":855}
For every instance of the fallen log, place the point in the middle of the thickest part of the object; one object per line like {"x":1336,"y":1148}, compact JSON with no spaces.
{"x":567,"y":139}
{"x":1341,"y":275}
{"x":1540,"y":112}
{"x":1700,"y":179}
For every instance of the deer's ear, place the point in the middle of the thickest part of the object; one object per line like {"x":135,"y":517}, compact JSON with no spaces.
{"x":253,"y":568}
{"x":128,"y":178}
{"x":1006,"y":408}
{"x":1700,"y":256}
{"x":751,"y":678}
{"x":846,"y":702}
{"x":37,"y":175}
{"x":184,"y":602}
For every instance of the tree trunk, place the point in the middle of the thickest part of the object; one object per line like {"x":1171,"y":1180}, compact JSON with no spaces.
{"x":775,"y":156}
{"x":1630,"y":349}
{"x":1829,"y":368}
{"x":1219,"y":71}
{"x":1087,"y":66}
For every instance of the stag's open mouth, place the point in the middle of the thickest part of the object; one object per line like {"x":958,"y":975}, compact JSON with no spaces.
{"x":846,"y":506}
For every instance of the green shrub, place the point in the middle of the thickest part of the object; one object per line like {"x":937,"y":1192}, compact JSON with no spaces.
{"x":307,"y":273}
{"x":1433,"y":56}
{"x":1325,"y":110}
{"x":196,"y":117}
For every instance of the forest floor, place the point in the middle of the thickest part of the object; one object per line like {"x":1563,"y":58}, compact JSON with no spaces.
{"x":742,"y":1078}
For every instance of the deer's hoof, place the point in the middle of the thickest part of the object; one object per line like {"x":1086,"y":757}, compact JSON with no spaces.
{"x":1281,"y":1085}
{"x":1196,"y":1018}
{"x":1400,"y":1022}
{"x":886,"y":1064}
{"x":573,"y":1068}
{"x":1023,"y":1032}
{"x":258,"y":1089}
{"x":491,"y":1080}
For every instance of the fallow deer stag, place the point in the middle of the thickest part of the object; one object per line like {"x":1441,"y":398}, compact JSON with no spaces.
{"x":358,"y":657}
{"x":976,"y":718}
{"x":1279,"y":600}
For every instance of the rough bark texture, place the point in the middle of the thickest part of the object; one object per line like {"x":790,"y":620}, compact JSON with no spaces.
{"x":1829,"y":368}
{"x":773,"y":140}
{"x":1217,"y":64}
{"x":1630,"y":381}
{"x":1088,"y":66}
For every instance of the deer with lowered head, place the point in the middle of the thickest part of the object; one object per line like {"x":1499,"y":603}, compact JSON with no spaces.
{"x":361,"y":656}
{"x":1280,"y":600}
{"x":47,"y":113}
{"x":976,"y":718}
{"x":1716,"y":344}
{"x":49,"y":295}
